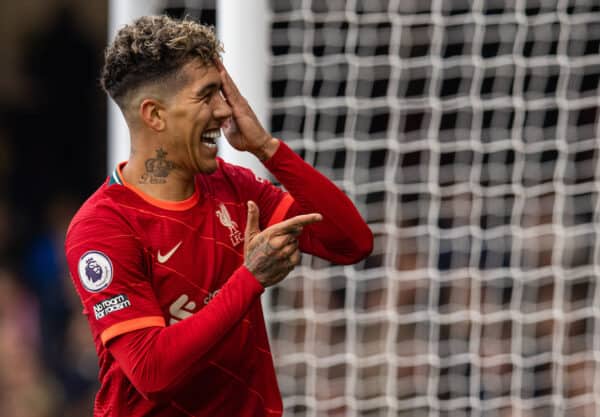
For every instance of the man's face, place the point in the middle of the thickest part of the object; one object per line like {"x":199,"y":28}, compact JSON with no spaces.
{"x":194,"y":116}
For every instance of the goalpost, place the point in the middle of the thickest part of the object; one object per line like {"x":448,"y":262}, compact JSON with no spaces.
{"x":466,"y":132}
{"x":120,"y":13}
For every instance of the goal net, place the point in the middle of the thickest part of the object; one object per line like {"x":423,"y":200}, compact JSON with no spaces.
{"x":467,"y":134}
{"x":466,"y":131}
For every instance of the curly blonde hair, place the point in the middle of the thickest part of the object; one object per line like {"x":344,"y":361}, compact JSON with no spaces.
{"x":152,"y":49}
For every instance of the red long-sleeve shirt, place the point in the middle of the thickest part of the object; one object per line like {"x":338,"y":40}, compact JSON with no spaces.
{"x":176,"y":318}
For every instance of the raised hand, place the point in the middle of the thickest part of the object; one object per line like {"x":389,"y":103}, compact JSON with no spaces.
{"x":243,"y":130}
{"x":271,"y":254}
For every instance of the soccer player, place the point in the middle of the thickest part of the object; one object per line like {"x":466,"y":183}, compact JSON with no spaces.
{"x":171,"y":254}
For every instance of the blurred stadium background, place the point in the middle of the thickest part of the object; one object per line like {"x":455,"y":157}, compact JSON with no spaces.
{"x":466,"y":131}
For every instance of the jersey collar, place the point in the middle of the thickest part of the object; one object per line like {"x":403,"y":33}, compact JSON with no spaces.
{"x":117,"y":178}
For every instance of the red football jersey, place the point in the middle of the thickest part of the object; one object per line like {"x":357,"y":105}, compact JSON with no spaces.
{"x":137,"y":262}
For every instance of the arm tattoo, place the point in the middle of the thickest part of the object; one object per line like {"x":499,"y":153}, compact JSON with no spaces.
{"x":157,"y":169}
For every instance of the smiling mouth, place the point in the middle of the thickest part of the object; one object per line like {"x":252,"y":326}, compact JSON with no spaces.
{"x":209,"y":137}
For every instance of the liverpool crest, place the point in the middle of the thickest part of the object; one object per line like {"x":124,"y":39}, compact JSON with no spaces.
{"x":234,"y":232}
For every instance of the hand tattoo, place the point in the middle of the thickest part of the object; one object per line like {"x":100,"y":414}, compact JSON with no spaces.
{"x":260,"y":257}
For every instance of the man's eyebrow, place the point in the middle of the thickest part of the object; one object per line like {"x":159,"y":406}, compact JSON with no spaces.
{"x":209,"y":88}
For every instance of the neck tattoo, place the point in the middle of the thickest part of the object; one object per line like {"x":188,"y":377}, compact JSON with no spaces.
{"x":157,"y":169}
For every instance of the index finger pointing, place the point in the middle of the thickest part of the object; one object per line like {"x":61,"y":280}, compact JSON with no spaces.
{"x":295,"y":223}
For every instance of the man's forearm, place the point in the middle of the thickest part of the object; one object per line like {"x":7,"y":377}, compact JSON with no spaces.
{"x":343,"y":236}
{"x":157,"y":359}
{"x":266,"y":151}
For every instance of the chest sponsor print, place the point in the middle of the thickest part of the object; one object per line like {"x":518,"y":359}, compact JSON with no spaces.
{"x":183,"y":307}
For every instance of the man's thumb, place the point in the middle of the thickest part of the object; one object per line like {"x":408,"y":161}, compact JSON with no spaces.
{"x":252,"y":226}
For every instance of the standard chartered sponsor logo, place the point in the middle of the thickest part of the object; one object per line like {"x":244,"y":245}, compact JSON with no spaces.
{"x":110,"y":305}
{"x":210,"y":296}
{"x":183,"y":307}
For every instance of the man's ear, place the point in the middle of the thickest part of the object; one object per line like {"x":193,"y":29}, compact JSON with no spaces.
{"x":152,"y":113}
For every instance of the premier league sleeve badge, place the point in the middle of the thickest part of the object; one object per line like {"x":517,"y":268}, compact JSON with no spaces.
{"x":95,"y":271}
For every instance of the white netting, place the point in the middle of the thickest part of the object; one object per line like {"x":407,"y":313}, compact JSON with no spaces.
{"x":467,"y":134}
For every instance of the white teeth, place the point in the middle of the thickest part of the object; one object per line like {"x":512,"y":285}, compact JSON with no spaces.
{"x":211,"y":134}
{"x":208,"y":138}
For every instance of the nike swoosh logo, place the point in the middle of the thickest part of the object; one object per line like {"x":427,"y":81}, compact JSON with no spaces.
{"x":164,"y":258}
